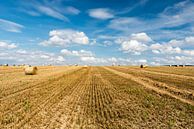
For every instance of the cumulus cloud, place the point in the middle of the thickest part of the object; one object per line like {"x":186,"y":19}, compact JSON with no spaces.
{"x":142,"y":61}
{"x":10,"y":26}
{"x":84,"y":56}
{"x":66,"y":37}
{"x":187,"y":41}
{"x":81,"y":53}
{"x":93,"y":60}
{"x":135,"y":44}
{"x":34,"y":57}
{"x":190,"y":40}
{"x":101,"y":13}
{"x":173,"y":60}
{"x":174,"y":47}
{"x":60,"y":59}
{"x":188,"y":52}
{"x":165,"y":49}
{"x":21,"y":51}
{"x":141,"y":37}
{"x":5,"y":45}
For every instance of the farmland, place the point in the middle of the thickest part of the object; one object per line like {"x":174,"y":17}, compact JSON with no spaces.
{"x":97,"y":97}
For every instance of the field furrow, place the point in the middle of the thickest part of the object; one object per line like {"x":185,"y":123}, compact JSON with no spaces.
{"x":147,"y":108}
{"x":93,"y":98}
{"x":150,"y":86}
{"x":177,"y":81}
{"x":16,"y":108}
{"x":178,"y":87}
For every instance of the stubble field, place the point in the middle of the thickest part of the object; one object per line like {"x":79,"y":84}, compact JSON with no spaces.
{"x":97,"y":97}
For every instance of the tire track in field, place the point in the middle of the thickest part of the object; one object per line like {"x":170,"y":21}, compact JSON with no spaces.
{"x":51,"y":100}
{"x":161,"y":72}
{"x":180,"y":92}
{"x":164,"y":74}
{"x":132,"y":111}
{"x":149,"y":86}
{"x":187,"y":94}
{"x":30,"y":87}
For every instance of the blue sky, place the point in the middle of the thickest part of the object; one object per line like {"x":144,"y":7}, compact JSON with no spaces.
{"x":97,"y":32}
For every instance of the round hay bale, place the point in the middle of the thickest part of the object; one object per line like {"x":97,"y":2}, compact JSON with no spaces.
{"x":85,"y":66}
{"x":143,"y":66}
{"x":5,"y":65}
{"x":30,"y":70}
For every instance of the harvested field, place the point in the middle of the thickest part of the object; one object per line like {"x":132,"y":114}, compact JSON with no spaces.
{"x":96,"y":97}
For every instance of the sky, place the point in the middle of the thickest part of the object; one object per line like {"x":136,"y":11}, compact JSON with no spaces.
{"x":97,"y":32}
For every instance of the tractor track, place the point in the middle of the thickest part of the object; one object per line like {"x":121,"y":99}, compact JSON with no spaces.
{"x":150,"y":86}
{"x":185,"y":93}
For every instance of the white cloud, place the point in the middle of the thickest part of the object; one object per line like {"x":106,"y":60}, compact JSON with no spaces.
{"x":51,"y":12}
{"x":135,"y":44}
{"x":175,"y":42}
{"x":32,"y":57}
{"x":66,"y":37}
{"x":156,"y":51}
{"x":188,"y":52}
{"x":10,"y":26}
{"x":106,"y":37}
{"x":81,"y":53}
{"x":113,"y":59}
{"x":173,"y":60}
{"x":181,"y":15}
{"x":141,"y":37}
{"x":168,"y":49}
{"x":142,"y":61}
{"x":187,"y":41}
{"x":155,"y":63}
{"x":72,"y":10}
{"x":88,"y":59}
{"x":101,"y":13}
{"x":126,"y":24}
{"x":45,"y":56}
{"x":60,"y":59}
{"x":107,"y":43}
{"x":5,"y":45}
{"x":93,"y":60}
{"x":165,"y":49}
{"x":140,"y":42}
{"x":21,"y":51}
{"x":190,"y":40}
